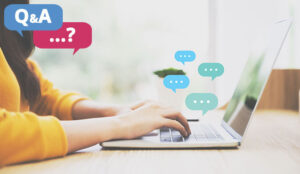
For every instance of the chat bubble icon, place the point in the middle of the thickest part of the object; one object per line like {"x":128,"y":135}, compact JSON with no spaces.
{"x":185,"y":56}
{"x":29,"y":17}
{"x":72,"y":35}
{"x":212,"y":70}
{"x":174,"y":82}
{"x":201,"y":101}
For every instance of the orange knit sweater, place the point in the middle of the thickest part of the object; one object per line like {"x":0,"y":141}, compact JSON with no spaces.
{"x":35,"y":133}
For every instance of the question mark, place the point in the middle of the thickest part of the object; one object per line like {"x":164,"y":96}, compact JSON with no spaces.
{"x":73,"y":31}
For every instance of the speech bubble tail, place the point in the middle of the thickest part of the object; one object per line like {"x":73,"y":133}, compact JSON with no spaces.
{"x":75,"y":51}
{"x":174,"y":90}
{"x":20,"y":33}
{"x":182,"y":63}
{"x":204,"y":112}
{"x":213,"y":78}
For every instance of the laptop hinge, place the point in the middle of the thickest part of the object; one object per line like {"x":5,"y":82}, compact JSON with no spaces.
{"x":232,"y":132}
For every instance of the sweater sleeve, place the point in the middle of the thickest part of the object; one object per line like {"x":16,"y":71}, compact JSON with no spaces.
{"x":53,"y":101}
{"x":27,"y":137}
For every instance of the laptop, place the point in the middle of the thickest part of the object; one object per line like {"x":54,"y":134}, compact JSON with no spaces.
{"x":231,"y":130}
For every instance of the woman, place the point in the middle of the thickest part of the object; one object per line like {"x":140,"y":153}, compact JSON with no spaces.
{"x":31,"y":110}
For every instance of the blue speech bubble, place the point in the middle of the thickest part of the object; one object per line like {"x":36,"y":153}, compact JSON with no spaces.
{"x":212,"y":70}
{"x":176,"y":82}
{"x":201,"y":101}
{"x":185,"y":56}
{"x":26,"y":17}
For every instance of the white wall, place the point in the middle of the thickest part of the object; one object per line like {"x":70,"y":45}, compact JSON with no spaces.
{"x":131,"y":38}
{"x":242,"y":27}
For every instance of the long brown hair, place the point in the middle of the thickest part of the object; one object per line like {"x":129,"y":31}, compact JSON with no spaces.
{"x":16,"y":50}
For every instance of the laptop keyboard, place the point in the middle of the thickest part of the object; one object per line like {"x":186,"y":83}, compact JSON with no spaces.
{"x":199,"y":134}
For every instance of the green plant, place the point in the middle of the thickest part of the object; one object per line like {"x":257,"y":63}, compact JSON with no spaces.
{"x":168,"y":71}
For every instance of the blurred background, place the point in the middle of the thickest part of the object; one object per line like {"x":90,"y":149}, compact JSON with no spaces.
{"x":133,"y":38}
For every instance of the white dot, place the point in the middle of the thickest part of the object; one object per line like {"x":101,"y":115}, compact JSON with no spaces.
{"x":189,"y":55}
{"x":57,"y":39}
{"x":208,"y":101}
{"x":70,"y":40}
{"x":171,"y":81}
{"x":51,"y":40}
{"x":201,"y":101}
{"x":180,"y":55}
{"x":205,"y":69}
{"x":63,"y":39}
{"x":181,"y":81}
{"x":184,"y":56}
{"x":210,"y":69}
{"x":195,"y":101}
{"x":216,"y":69}
{"x":176,"y":81}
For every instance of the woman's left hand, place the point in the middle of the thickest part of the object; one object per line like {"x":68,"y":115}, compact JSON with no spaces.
{"x":90,"y":109}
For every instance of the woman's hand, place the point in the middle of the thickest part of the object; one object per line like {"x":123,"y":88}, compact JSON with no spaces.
{"x":148,"y":117}
{"x":91,"y":109}
{"x":144,"y":119}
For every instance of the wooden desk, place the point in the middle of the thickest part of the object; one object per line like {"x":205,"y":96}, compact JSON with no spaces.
{"x":272,"y":145}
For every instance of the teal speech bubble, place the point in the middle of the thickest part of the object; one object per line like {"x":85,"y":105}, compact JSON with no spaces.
{"x":212,"y":70}
{"x":201,"y":101}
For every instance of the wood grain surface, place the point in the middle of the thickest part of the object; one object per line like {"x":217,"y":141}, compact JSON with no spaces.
{"x":272,"y":145}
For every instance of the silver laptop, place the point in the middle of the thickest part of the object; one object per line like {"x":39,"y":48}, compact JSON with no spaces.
{"x":231,"y":130}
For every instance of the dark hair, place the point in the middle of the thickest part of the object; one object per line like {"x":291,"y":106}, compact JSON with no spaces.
{"x":16,"y":50}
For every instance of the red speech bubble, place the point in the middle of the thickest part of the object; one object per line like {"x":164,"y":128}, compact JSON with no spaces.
{"x":75,"y":35}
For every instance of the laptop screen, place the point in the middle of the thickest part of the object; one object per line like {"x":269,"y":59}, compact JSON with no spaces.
{"x":253,"y":80}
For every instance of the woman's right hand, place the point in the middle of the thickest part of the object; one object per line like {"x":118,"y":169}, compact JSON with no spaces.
{"x":133,"y":124}
{"x":149,"y":117}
